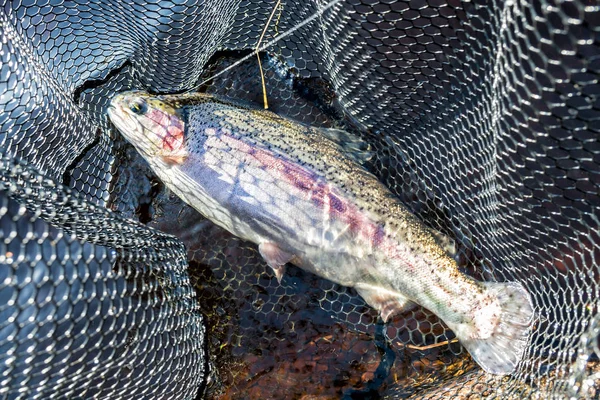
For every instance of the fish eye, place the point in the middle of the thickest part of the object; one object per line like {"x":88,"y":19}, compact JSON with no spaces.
{"x":138,"y":106}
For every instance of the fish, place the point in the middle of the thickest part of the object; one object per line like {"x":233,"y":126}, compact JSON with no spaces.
{"x":304,"y":196}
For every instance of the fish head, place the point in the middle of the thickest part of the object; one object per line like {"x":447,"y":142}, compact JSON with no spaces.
{"x":155,"y":127}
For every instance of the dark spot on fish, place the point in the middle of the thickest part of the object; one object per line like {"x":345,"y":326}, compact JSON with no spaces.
{"x":336,"y":204}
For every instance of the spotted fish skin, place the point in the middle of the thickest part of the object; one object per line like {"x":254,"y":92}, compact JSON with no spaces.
{"x":303,"y":198}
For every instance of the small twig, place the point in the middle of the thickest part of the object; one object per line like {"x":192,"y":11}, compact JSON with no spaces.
{"x":316,"y":15}
{"x":430,"y":346}
{"x":262,"y":35}
{"x":262,"y":79}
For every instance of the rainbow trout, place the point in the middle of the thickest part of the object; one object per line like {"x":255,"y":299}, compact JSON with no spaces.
{"x":301,"y":194}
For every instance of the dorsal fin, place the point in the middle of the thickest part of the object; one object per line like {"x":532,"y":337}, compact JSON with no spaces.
{"x":447,"y":243}
{"x":351,"y":145}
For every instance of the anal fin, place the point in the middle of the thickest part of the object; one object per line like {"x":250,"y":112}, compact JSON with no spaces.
{"x":275,"y":258}
{"x":386,"y":301}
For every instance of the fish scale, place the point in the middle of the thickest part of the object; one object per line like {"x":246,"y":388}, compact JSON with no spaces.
{"x":301,"y":194}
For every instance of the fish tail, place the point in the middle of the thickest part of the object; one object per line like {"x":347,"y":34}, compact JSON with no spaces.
{"x":503,"y":331}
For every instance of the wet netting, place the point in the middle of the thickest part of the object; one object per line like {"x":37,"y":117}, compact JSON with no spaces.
{"x":485,"y":120}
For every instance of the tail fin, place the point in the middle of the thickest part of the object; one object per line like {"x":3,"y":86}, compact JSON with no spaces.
{"x":503,"y":347}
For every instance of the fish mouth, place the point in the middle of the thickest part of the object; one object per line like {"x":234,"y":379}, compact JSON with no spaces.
{"x":114,"y":115}
{"x":118,"y":119}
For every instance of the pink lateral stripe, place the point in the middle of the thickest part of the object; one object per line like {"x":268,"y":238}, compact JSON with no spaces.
{"x":321,"y":194}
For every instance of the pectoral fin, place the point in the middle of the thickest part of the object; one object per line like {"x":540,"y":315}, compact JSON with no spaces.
{"x":387,"y":302}
{"x":275,"y":258}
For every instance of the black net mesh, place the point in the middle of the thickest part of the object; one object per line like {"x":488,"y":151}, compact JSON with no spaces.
{"x":93,"y":305}
{"x":484,"y":116}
